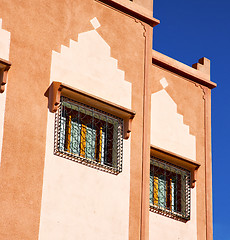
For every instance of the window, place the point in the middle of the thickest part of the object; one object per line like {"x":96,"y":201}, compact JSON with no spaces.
{"x":89,"y":136}
{"x":169,"y":189}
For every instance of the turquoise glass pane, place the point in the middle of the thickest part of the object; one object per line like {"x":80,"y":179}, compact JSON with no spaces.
{"x":90,"y":143}
{"x":75,"y":138}
{"x":161,"y":191}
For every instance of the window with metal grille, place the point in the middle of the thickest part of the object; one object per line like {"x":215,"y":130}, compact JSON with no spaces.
{"x":89,"y":136}
{"x":169,"y":189}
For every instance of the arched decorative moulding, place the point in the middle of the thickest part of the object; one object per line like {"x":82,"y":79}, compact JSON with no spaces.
{"x":143,"y":26}
{"x":202,"y":88}
{"x":58,"y":89}
{"x":4,"y":68}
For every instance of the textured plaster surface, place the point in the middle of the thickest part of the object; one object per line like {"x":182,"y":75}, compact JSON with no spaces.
{"x":80,"y":202}
{"x":87,"y":65}
{"x":168,"y":130}
{"x":4,"y":54}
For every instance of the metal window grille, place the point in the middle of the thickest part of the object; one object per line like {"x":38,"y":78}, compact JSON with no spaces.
{"x":169,"y":189}
{"x":89,"y":136}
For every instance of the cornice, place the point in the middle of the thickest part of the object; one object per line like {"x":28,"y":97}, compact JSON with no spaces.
{"x":181,"y":69}
{"x":132,"y":9}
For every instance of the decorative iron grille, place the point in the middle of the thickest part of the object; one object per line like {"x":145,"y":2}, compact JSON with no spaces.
{"x":89,"y":136}
{"x":169,"y":189}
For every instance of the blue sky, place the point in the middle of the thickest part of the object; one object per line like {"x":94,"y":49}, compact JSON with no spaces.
{"x":188,"y":31}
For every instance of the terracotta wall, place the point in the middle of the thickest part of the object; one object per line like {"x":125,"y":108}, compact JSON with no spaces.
{"x":4,"y":55}
{"x":189,"y":99}
{"x":37,"y":28}
{"x":41,"y":30}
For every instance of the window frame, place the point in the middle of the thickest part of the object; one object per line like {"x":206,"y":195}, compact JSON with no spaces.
{"x":179,"y":162}
{"x":56,"y":90}
{"x":60,"y":148}
{"x":166,"y":198}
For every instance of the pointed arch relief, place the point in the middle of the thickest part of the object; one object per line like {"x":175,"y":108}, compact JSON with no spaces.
{"x":168,"y":130}
{"x":88,"y":66}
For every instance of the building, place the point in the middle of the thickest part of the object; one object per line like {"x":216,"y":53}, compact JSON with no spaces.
{"x":101,"y":136}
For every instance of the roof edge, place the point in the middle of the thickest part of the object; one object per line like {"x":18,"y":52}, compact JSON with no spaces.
{"x":133,"y":10}
{"x":182,"y":69}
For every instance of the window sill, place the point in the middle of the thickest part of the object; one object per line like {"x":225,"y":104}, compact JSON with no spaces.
{"x":4,"y":68}
{"x":178,"y":160}
{"x":167,"y":213}
{"x":58,"y":89}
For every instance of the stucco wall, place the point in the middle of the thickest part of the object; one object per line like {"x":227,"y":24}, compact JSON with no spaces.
{"x":177,"y":108}
{"x":168,"y":130}
{"x":79,"y":201}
